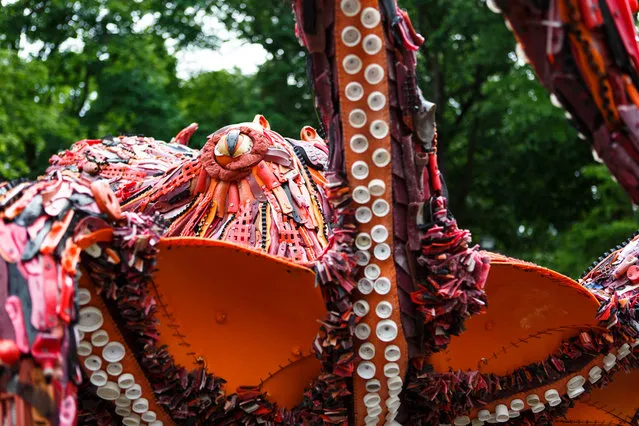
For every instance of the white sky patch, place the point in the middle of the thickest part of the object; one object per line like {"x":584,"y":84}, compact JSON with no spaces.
{"x":145,"y":22}
{"x":75,"y":45}
{"x":232,"y":53}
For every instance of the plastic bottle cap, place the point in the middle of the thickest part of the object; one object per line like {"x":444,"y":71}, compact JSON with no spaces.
{"x":366,"y":370}
{"x":350,"y":7}
{"x":351,"y":36}
{"x":359,"y":144}
{"x":370,"y":17}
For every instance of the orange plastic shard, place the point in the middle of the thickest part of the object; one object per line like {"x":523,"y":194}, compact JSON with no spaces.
{"x":250,"y":317}
{"x":531,"y":310}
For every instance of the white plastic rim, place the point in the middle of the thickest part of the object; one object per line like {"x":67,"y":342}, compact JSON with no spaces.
{"x":386,"y":330}
{"x":352,"y":64}
{"x":372,"y":44}
{"x":99,"y":338}
{"x":372,"y":271}
{"x":363,"y":214}
{"x":357,"y":118}
{"x":354,"y":91}
{"x":123,"y":411}
{"x":93,"y":363}
{"x":149,"y":416}
{"x":513,"y":414}
{"x":517,"y":404}
{"x":374,"y":411}
{"x":393,"y":392}
{"x":361,"y":308}
{"x":395,"y":383}
{"x":373,"y":74}
{"x":84,"y":348}
{"x":595,"y":371}
{"x":380,"y":207}
{"x":371,"y":420}
{"x":538,"y":408}
{"x":114,"y":369}
{"x":84,"y":296}
{"x":366,"y":370}
{"x":122,"y":401}
{"x":140,"y":405}
{"x":373,"y":385}
{"x":461,"y":421}
{"x":362,"y":331}
{"x":554,"y":100}
{"x":359,"y":144}
{"x":134,"y":392}
{"x":376,"y":101}
{"x":99,"y":378}
{"x":113,"y":352}
{"x":363,"y":241}
{"x":351,"y":36}
{"x":362,"y":195}
{"x":501,"y":413}
{"x":89,"y":319}
{"x":350,"y":7}
{"x":574,"y":393}
{"x":379,"y":233}
{"x":372,"y":400}
{"x":157,"y":423}
{"x":384,"y":309}
{"x":367,"y":351}
{"x":132,"y":420}
{"x":551,"y":394}
{"x":379,"y":130}
{"x":381,"y":156}
{"x":377,"y":187}
{"x":126,"y":380}
{"x":109,"y":391}
{"x":392,"y":353}
{"x":609,"y":361}
{"x":382,"y":251}
{"x":362,"y":257}
{"x":370,"y":17}
{"x":391,"y":369}
{"x":554,"y":402}
{"x":382,"y":285}
{"x":359,"y":170}
{"x":483,"y":415}
{"x":576,"y":382}
{"x":392,"y":403}
{"x":532,"y":399}
{"x":365,"y":286}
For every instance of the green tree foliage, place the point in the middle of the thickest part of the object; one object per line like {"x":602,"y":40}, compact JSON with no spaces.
{"x":29,"y":128}
{"x":103,"y":66}
{"x":518,"y":176}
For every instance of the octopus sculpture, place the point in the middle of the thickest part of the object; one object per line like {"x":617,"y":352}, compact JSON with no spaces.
{"x":270,"y":280}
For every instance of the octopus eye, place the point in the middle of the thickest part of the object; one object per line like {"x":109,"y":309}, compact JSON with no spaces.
{"x":244,"y":146}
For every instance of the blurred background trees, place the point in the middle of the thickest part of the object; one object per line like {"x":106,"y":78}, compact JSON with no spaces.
{"x":519,"y":177}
